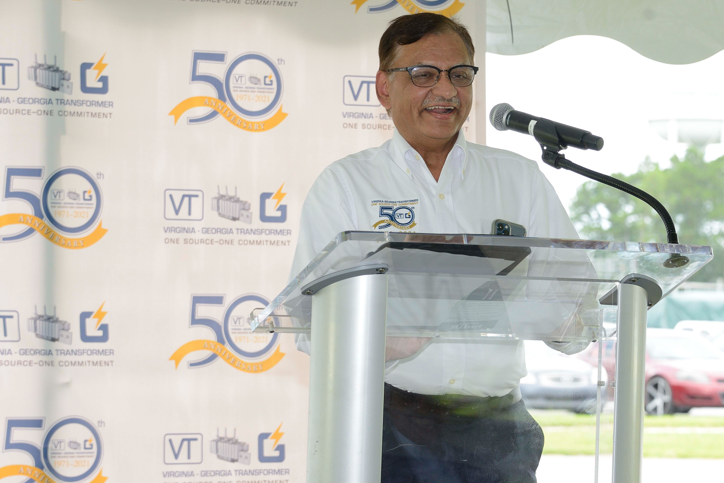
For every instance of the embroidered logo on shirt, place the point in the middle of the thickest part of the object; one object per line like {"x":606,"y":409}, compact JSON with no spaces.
{"x":396,"y":214}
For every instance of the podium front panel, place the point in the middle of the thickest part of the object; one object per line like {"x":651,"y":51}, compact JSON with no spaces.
{"x":493,"y":351}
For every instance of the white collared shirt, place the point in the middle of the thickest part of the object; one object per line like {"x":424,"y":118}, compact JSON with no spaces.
{"x":477,"y":185}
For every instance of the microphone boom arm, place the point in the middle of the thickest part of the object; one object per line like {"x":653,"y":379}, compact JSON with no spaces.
{"x":558,"y":161}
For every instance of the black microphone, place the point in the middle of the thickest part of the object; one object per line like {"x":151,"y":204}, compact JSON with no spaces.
{"x":553,"y":137}
{"x":546,"y":132}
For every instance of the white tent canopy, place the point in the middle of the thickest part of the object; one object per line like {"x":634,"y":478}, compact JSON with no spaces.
{"x":669,"y":31}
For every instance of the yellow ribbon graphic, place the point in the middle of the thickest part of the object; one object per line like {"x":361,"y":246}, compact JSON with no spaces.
{"x":411,"y":7}
{"x":226,"y":356}
{"x":39,"y":475}
{"x":396,"y":225}
{"x":39,"y":225}
{"x":228,"y":114}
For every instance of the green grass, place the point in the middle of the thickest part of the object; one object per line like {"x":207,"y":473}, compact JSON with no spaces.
{"x":676,"y":421}
{"x":576,"y":435}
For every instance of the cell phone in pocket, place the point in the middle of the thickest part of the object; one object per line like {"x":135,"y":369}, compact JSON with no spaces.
{"x":507,"y":228}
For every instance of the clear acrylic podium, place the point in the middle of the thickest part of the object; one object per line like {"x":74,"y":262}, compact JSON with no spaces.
{"x":435,"y":305}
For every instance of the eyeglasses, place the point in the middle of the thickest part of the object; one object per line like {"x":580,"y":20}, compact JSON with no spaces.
{"x":429,"y":75}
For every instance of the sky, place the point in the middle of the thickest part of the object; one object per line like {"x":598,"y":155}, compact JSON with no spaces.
{"x":603,"y":86}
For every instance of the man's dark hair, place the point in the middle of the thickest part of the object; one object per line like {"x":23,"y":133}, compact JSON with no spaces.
{"x":408,"y":29}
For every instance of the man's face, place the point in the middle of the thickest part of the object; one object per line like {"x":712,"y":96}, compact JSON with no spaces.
{"x":427,"y":116}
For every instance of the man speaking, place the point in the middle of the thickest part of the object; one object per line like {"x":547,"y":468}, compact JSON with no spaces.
{"x":453,"y":411}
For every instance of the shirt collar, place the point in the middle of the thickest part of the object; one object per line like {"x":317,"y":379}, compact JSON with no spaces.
{"x":399,"y":147}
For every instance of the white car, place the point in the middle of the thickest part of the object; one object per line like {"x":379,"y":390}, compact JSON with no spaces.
{"x":558,"y":381}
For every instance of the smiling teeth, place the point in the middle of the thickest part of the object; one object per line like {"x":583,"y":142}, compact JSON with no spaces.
{"x":439,"y":107}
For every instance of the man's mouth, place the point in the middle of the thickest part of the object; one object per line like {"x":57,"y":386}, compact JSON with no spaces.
{"x":440,"y":109}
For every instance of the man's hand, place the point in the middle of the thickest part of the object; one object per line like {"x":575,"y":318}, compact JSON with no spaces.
{"x":402,"y":347}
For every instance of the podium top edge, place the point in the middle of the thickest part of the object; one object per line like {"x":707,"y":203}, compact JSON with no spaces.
{"x":488,"y":239}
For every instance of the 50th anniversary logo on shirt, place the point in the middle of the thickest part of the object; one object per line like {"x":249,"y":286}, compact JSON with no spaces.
{"x":248,"y":95}
{"x":396,"y":214}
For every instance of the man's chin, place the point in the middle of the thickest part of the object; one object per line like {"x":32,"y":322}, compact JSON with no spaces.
{"x":443,"y":133}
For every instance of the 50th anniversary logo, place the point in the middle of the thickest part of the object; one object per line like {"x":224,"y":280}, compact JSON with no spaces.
{"x":447,"y":8}
{"x":66,"y":211}
{"x":248,"y":96}
{"x":71,"y":451}
{"x":233,"y":341}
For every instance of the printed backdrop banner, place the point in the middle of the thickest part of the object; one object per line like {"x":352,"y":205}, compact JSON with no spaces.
{"x":155,"y":158}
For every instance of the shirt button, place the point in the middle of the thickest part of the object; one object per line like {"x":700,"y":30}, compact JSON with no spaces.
{"x":417,"y":157}
{"x":408,"y":170}
{"x":452,"y":381}
{"x":441,"y":196}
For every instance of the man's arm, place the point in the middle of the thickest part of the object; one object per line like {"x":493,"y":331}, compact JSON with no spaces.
{"x":328,"y":210}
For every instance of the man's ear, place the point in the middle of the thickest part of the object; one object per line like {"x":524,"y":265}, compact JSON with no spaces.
{"x":382,"y":85}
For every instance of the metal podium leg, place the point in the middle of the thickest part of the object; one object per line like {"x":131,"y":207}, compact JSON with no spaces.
{"x":346,"y":390}
{"x":628,"y":420}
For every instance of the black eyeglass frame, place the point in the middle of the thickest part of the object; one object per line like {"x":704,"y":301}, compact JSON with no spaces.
{"x":439,"y":73}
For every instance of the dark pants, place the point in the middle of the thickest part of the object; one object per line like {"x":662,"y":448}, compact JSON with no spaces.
{"x":458,"y":439}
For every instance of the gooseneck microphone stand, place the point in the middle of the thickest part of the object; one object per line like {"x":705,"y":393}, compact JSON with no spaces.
{"x":552,"y":157}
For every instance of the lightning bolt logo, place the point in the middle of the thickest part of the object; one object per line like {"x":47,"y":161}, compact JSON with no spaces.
{"x":100,"y":67}
{"x":357,"y":4}
{"x":99,"y":315}
{"x":276,"y":436}
{"x":279,"y":196}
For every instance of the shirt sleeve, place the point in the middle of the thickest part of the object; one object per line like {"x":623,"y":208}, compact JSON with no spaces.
{"x":549,"y":218}
{"x":327,"y":210}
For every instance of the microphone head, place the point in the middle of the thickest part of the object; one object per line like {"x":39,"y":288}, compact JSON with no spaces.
{"x":498,"y":115}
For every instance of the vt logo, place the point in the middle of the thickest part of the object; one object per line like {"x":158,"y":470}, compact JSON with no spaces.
{"x":100,"y":329}
{"x":184,"y":205}
{"x":9,"y":326}
{"x":359,"y":90}
{"x":9,"y":74}
{"x":98,"y":84}
{"x":268,"y":452}
{"x":183,"y":449}
{"x":281,"y":210}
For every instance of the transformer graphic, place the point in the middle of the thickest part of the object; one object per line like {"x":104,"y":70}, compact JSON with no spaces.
{"x":230,"y":449}
{"x":50,"y":327}
{"x":231,"y":207}
{"x":50,"y":77}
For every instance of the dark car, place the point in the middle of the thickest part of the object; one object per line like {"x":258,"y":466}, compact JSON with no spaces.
{"x":557,"y":381}
{"x":682,"y":371}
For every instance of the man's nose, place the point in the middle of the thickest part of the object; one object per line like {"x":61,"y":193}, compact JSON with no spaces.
{"x":444,"y":87}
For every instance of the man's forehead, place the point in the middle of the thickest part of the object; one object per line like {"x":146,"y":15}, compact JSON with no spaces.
{"x":430,"y":48}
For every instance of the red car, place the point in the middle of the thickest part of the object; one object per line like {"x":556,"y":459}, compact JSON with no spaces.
{"x":682,"y":371}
